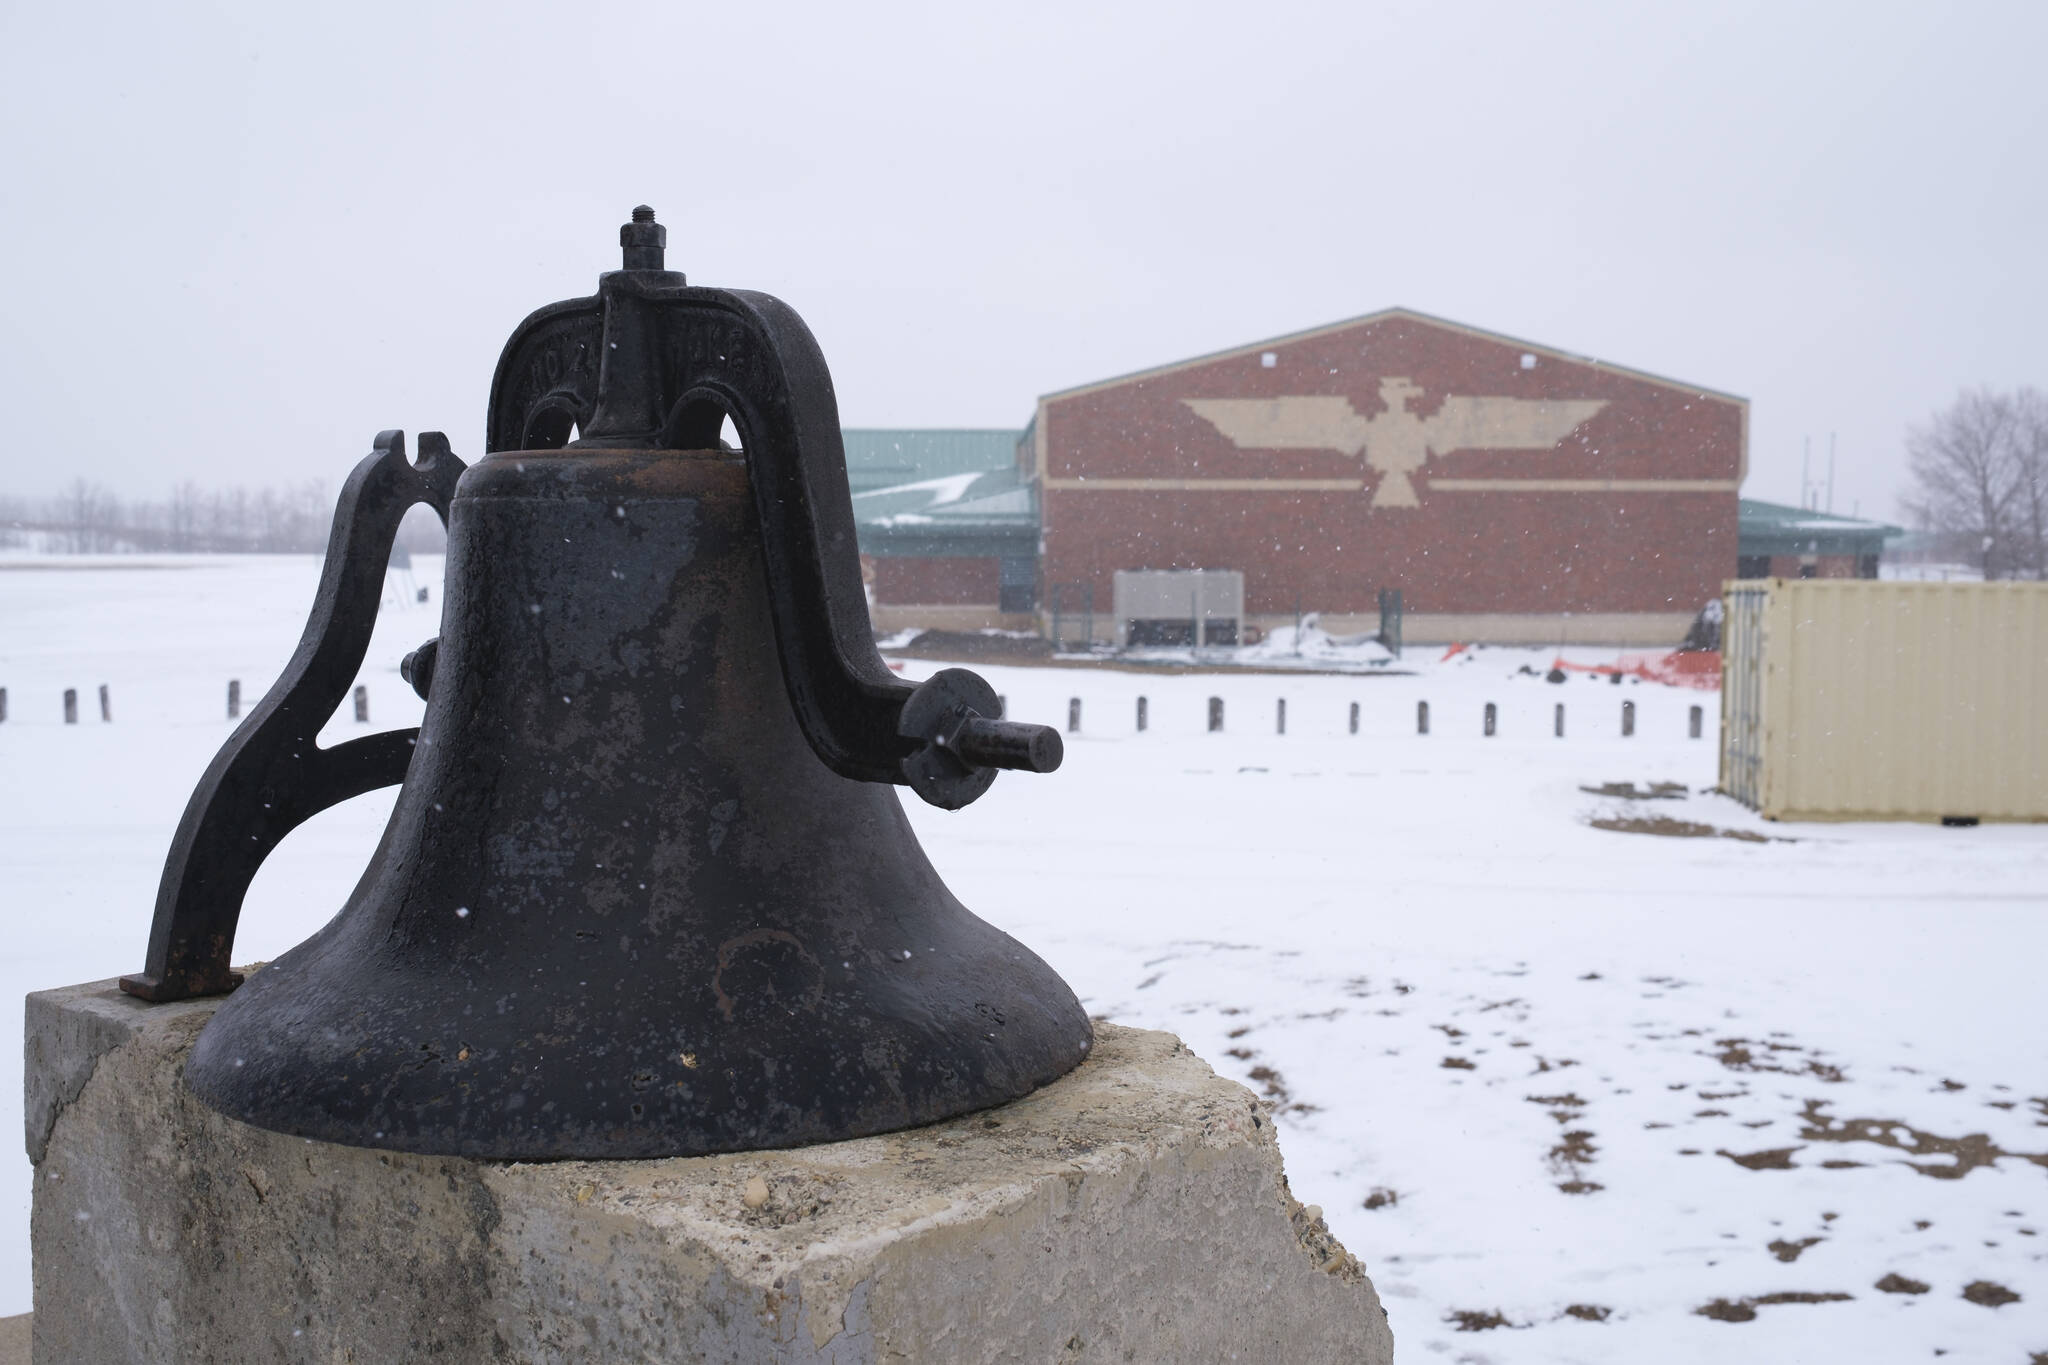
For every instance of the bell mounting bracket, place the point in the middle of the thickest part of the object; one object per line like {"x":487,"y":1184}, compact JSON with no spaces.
{"x":272,"y":775}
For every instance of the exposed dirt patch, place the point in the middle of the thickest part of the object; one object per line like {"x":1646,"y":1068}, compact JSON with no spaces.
{"x":1472,"y":1320}
{"x":1588,"y":1312}
{"x":1789,"y":1251}
{"x":1271,"y":1082}
{"x":1679,"y":829}
{"x":1563,"y":1108}
{"x":1895,"y":1283}
{"x":1457,"y":1064}
{"x":1274,"y":1086}
{"x":1380,"y":1197}
{"x":1744,"y":1310}
{"x":1569,"y":1159}
{"x":1777,"y":1159}
{"x":1628,"y":791}
{"x":1741,"y":1054}
{"x":1989,"y":1294}
{"x":1969,"y":1152}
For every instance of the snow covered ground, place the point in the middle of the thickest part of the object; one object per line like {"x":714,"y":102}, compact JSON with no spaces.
{"x":1561,"y":1086}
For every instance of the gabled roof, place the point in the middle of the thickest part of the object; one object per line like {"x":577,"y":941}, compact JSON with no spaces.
{"x":883,"y":458}
{"x":1384,"y":315}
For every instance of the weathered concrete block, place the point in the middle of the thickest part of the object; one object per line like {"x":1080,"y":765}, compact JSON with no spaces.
{"x":1135,"y":1210}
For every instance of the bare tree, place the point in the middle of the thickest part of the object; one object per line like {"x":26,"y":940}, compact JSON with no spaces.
{"x":181,"y":519}
{"x":1980,"y":468}
{"x":87,"y":518}
{"x":92,"y":516}
{"x":2030,"y":469}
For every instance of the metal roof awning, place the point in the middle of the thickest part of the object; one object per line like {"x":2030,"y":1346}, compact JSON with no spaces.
{"x":1769,"y":528}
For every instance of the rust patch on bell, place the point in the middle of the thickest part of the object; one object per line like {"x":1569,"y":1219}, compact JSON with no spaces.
{"x":771,"y":977}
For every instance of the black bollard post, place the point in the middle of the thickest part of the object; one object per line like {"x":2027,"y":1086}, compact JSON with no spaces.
{"x":1422,"y":718}
{"x":362,"y":704}
{"x":1489,"y":720}
{"x":1693,"y":722}
{"x":1280,"y":717}
{"x":1073,"y":715}
{"x":3,"y":706}
{"x":1628,"y":719}
{"x":1141,"y":714}
{"x":1215,"y":715}
{"x":106,"y":705}
{"x":1560,"y":720}
{"x":234,"y":698}
{"x":1354,"y":718}
{"x":71,"y":706}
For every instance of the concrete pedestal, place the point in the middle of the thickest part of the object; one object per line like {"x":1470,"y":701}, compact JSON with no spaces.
{"x":1132,"y":1211}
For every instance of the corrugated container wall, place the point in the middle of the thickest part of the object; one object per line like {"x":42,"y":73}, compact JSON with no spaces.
{"x":1850,"y":699}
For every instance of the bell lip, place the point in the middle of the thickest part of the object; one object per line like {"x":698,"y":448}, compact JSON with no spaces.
{"x":1058,"y":1037}
{"x":638,"y":1147}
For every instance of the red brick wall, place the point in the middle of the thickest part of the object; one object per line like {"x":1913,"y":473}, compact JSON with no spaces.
{"x":911,"y":581}
{"x":1458,"y":551}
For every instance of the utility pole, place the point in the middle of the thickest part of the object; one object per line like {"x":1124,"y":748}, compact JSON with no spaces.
{"x":1831,"y":472}
{"x":1805,"y":483}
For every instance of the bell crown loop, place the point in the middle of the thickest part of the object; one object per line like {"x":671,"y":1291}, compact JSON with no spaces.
{"x":651,"y":363}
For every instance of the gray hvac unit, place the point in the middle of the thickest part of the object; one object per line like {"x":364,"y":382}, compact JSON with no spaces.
{"x":1179,"y":607}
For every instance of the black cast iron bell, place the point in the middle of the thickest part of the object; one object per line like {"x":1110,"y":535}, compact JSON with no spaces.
{"x":647,"y":889}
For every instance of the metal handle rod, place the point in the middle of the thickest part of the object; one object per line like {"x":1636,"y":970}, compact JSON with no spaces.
{"x":1009,"y":744}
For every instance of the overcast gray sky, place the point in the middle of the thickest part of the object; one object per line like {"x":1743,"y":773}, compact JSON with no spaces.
{"x":242,"y":238}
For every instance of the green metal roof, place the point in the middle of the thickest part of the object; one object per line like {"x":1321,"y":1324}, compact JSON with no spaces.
{"x":877,"y":458}
{"x":941,"y":492}
{"x":1770,"y":528}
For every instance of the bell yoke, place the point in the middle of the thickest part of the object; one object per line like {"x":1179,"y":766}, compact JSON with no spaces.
{"x":646,"y":890}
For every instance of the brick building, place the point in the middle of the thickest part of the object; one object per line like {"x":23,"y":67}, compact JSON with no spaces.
{"x":1798,"y":542}
{"x":1511,"y":492}
{"x":948,"y":526}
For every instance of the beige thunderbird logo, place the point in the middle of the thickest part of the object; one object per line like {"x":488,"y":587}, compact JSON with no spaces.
{"x":1395,"y":442}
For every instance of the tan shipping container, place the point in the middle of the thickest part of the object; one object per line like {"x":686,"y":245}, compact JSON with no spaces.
{"x":1859,"y":699}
